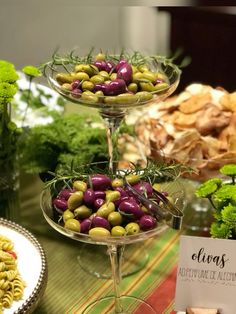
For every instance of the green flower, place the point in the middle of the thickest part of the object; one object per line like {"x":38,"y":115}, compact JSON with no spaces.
{"x":220,"y":230}
{"x":8,"y":75}
{"x":7,"y":91}
{"x":6,"y":64}
{"x":225,"y":193}
{"x":207,"y":188}
{"x":229,"y":170}
{"x":31,"y":71}
{"x":229,"y":215}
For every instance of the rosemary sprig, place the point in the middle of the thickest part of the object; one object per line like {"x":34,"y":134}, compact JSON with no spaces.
{"x":70,"y":59}
{"x":154,"y":172}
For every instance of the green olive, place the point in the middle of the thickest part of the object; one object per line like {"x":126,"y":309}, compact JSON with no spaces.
{"x":134,"y":69}
{"x":97,"y":79}
{"x":133,"y":87}
{"x":106,"y":209}
{"x":144,"y":96}
{"x":89,"y":97}
{"x":100,"y":56}
{"x":137,"y":77}
{"x":90,"y":69}
{"x":115,"y":218}
{"x":157,"y":186}
{"x":161,"y":86}
{"x":82,"y":212}
{"x":113,"y":76}
{"x":117,"y":182}
{"x":100,"y":95}
{"x":75,"y":200}
{"x":132,"y":228}
{"x":67,"y":86}
{"x":126,"y":98}
{"x":132,"y":178}
{"x":67,"y":214}
{"x":72,"y":224}
{"x":80,"y":185}
{"x":162,"y":76}
{"x":118,"y":231}
{"x":146,"y":86}
{"x":110,"y":100}
{"x":81,"y":76}
{"x":64,"y":78}
{"x":148,"y":75}
{"x":87,"y":85}
{"x":112,"y":196}
{"x":99,"y":232}
{"x":143,"y":67}
{"x":105,"y":75}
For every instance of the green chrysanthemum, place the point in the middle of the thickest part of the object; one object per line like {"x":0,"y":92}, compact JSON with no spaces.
{"x":207,"y":188}
{"x":220,"y":230}
{"x":31,"y":71}
{"x":6,"y":64}
{"x":7,"y":91}
{"x":8,"y":75}
{"x":229,"y":215}
{"x":229,"y":170}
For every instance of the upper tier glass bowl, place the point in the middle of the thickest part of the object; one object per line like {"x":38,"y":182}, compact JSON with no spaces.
{"x":60,"y":74}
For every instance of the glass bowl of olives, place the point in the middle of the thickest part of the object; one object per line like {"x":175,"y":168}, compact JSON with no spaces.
{"x":113,"y":82}
{"x":100,"y":207}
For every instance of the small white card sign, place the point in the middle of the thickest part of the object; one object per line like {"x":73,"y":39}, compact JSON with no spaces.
{"x":206,"y":275}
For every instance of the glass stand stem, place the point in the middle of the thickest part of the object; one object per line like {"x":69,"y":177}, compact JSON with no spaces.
{"x":112,"y":121}
{"x":116,"y":255}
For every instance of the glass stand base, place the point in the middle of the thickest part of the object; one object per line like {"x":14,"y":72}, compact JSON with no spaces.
{"x":198,"y":213}
{"x":129,"y":305}
{"x":95,"y":260}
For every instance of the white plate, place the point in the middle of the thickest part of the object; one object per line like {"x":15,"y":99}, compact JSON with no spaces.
{"x":31,"y":263}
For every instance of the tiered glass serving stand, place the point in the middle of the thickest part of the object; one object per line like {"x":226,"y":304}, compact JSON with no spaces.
{"x":112,"y":114}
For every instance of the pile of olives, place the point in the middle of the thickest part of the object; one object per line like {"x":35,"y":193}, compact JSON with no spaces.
{"x":112,"y":82}
{"x":103,"y":206}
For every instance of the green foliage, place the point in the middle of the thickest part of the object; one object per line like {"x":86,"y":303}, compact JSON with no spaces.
{"x":67,"y":140}
{"x":220,"y":230}
{"x":222,"y":195}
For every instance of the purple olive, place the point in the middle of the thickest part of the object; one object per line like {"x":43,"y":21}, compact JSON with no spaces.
{"x":60,"y":204}
{"x":125,"y":73}
{"x":100,"y":182}
{"x":101,"y":65}
{"x":85,"y":225}
{"x":100,"y":87}
{"x":120,"y":64}
{"x":99,"y":194}
{"x":89,"y":197}
{"x":122,"y":191}
{"x":76,"y":92}
{"x":75,"y":84}
{"x":115,"y":87}
{"x":144,"y":188}
{"x":101,"y":222}
{"x":147,"y":222}
{"x":130,"y":206}
{"x":65,"y":193}
{"x":98,"y":202}
{"x":109,"y":66}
